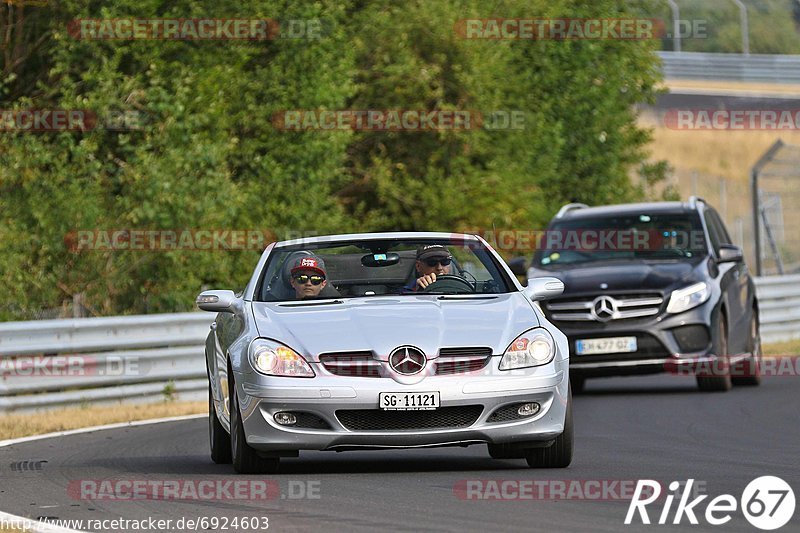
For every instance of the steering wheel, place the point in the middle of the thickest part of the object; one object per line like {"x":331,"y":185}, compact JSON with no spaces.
{"x":449,"y":283}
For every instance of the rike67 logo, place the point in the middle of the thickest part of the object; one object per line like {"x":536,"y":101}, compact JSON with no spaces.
{"x":767,"y":502}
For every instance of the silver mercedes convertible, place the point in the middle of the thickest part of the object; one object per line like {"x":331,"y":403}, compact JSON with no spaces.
{"x":386,"y":340}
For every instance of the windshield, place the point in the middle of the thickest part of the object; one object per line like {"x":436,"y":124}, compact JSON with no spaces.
{"x":608,"y":238}
{"x":370,"y":268}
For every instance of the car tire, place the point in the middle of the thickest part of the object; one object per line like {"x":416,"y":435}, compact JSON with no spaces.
{"x":219,"y":439}
{"x":245,"y":458}
{"x":716,"y":382}
{"x":558,"y":454}
{"x":577,"y":383}
{"x":749,"y":371}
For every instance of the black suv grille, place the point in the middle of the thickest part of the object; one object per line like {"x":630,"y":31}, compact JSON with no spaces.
{"x":617,"y":307}
{"x":379,"y":420}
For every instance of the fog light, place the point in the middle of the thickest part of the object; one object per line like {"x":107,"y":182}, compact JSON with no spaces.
{"x":285,"y":419}
{"x":528,"y":409}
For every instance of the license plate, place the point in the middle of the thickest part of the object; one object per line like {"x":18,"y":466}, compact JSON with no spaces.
{"x":408,"y":401}
{"x":607,"y":345}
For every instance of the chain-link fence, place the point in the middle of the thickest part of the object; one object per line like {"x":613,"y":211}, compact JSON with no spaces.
{"x":775,"y":211}
{"x":770,"y":199}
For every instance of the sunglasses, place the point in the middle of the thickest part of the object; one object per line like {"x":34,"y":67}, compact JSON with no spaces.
{"x":303,"y":279}
{"x":432,"y":262}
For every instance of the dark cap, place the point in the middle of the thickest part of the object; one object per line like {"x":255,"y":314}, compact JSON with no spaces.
{"x":309,"y":262}
{"x":432,"y":250}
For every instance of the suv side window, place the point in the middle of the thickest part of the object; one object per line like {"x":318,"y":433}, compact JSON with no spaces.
{"x":713,"y":230}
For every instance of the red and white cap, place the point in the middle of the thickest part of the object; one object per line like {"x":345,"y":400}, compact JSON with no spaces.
{"x":310,"y":262}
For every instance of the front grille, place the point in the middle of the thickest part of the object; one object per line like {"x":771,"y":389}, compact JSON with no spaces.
{"x":379,"y":420}
{"x":461,"y":360}
{"x":357,"y":364}
{"x":619,"y":307}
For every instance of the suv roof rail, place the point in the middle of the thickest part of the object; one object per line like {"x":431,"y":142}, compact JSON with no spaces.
{"x":693,"y":201}
{"x":569,"y":207}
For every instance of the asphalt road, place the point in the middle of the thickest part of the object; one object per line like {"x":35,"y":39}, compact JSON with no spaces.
{"x":656,"y":427}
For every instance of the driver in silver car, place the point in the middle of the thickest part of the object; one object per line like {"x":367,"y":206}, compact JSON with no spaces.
{"x":308,"y":277}
{"x":432,"y":260}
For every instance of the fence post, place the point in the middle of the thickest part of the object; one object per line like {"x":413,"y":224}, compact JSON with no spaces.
{"x":745,"y":27}
{"x":760,"y":164}
{"x":676,"y":30}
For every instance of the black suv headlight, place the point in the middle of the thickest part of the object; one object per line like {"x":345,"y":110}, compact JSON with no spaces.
{"x":688,"y":297}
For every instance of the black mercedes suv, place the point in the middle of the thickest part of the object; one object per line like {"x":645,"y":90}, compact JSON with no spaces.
{"x":651,"y":287}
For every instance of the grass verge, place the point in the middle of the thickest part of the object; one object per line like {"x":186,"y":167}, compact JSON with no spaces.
{"x":766,"y":88}
{"x":781,"y":348}
{"x":36,"y":423}
{"x":730,"y":154}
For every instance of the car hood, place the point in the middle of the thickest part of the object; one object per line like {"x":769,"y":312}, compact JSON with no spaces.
{"x":619,"y":275}
{"x":381,"y":324}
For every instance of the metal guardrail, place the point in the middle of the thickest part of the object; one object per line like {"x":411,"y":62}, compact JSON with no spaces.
{"x":59,"y":363}
{"x":734,"y":67}
{"x":779,"y":306}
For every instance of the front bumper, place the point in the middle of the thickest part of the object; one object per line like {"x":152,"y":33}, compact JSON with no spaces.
{"x":261,"y":397}
{"x":659,"y":344}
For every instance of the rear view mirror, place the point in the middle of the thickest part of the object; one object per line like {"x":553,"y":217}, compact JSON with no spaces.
{"x":728,"y":253}
{"x":380,"y":260}
{"x":217,"y":301}
{"x":543,"y":288}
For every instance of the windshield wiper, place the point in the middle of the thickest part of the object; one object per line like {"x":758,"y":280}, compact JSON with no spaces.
{"x":304,"y":303}
{"x":467,"y":297}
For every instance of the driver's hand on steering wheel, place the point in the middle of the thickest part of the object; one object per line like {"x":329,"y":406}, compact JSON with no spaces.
{"x":426,"y":280}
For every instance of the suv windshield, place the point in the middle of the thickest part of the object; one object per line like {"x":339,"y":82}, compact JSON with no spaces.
{"x":368,"y":268}
{"x":622,"y":237}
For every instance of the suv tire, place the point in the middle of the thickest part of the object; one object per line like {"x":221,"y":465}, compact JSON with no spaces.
{"x":720,"y":378}
{"x":748,"y":372}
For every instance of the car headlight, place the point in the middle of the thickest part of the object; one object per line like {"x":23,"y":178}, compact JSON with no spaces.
{"x":535,"y":347}
{"x":274,"y":359}
{"x":688,"y":297}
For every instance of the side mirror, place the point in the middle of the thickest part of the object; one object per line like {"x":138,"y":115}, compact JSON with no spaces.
{"x":217,"y":301}
{"x":543,"y":288}
{"x":518,"y":266}
{"x":728,"y":253}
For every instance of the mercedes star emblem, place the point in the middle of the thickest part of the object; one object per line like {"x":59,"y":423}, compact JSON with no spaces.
{"x":407,"y":360}
{"x":604,"y":308}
